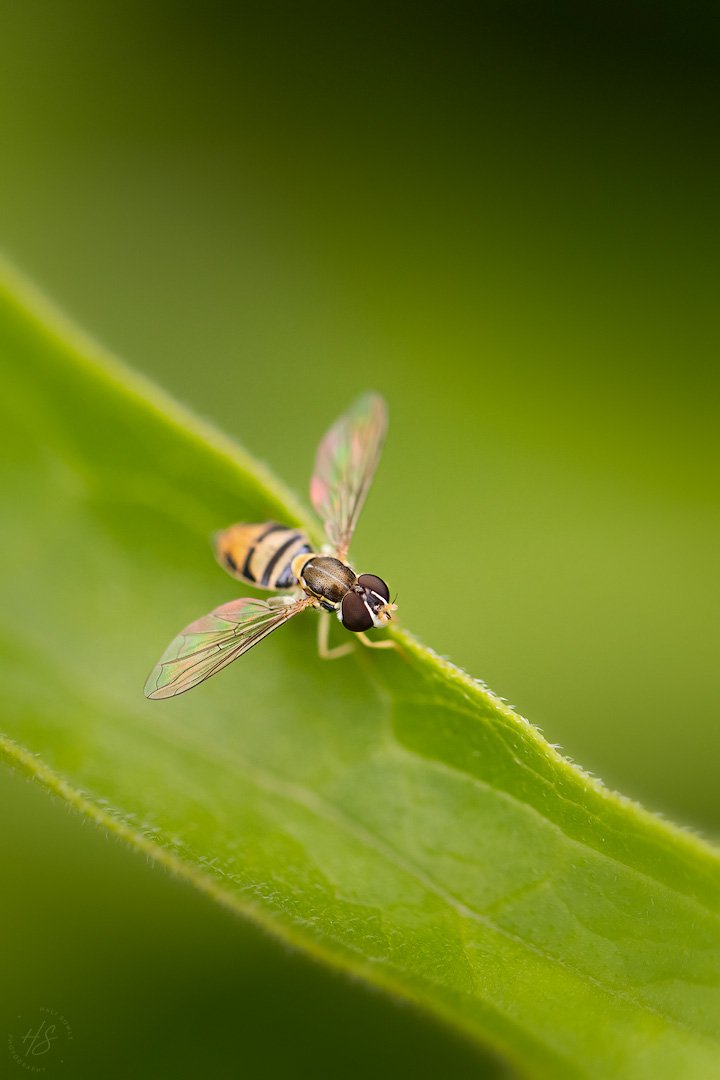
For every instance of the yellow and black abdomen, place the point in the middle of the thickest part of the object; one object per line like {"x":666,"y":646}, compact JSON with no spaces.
{"x":261,"y":554}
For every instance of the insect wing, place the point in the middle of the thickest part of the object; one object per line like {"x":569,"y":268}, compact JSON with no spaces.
{"x":214,"y":641}
{"x":344,"y":467}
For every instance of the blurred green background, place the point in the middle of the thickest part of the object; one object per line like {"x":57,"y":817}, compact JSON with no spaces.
{"x":505,"y":218}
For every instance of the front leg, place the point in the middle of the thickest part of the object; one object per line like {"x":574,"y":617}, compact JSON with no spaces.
{"x":326,"y":653}
{"x":386,"y":643}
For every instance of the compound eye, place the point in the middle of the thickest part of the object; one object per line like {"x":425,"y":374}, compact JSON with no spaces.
{"x":375,"y":584}
{"x":355,"y":616}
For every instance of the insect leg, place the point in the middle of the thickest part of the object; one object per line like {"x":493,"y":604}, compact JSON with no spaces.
{"x":325,"y":652}
{"x":386,"y":643}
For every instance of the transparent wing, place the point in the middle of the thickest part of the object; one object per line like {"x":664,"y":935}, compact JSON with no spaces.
{"x":214,"y":641}
{"x":344,"y":467}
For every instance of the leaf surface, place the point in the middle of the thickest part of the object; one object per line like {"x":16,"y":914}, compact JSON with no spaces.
{"x":385,"y":812}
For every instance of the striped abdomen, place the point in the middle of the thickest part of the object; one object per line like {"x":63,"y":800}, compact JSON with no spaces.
{"x":261,"y":554}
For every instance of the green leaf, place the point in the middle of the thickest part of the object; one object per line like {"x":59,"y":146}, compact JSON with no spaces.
{"x":385,"y":812}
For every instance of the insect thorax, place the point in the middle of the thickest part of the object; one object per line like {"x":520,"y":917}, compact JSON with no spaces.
{"x":327,"y":579}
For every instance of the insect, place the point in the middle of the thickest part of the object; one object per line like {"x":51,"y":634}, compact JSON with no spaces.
{"x":279,"y":557}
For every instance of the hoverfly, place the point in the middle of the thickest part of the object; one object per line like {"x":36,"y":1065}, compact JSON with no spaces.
{"x":279,"y":557}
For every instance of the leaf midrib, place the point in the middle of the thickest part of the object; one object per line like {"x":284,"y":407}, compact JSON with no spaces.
{"x":259,"y":776}
{"x":508,"y":796}
{"x":166,"y":855}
